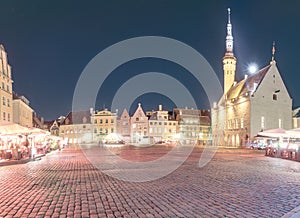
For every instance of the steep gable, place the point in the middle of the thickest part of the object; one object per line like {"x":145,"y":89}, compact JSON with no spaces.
{"x":272,"y":83}
{"x":139,"y":114}
{"x":125,"y":114}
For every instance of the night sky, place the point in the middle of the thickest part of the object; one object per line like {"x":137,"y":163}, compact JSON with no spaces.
{"x":50,"y":42}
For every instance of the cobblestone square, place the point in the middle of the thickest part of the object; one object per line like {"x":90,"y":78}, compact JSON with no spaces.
{"x":235,"y":183}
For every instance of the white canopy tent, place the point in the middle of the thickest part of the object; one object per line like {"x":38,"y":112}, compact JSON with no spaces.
{"x":274,"y":133}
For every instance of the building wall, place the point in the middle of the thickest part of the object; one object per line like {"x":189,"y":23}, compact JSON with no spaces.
{"x":296,"y":122}
{"x":237,"y":125}
{"x":76,"y":133}
{"x":103,"y":123}
{"x":218,"y":121}
{"x":189,"y":126}
{"x":269,"y":113}
{"x":123,"y":124}
{"x":139,"y":126}
{"x":22,"y":113}
{"x":161,"y":127}
{"x":6,"y":109}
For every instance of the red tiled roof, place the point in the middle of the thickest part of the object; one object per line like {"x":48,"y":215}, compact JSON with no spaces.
{"x":248,"y":85}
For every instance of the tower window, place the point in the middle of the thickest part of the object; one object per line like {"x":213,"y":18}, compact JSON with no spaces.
{"x":275,"y":97}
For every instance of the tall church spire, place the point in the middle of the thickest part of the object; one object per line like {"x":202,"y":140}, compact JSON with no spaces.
{"x":229,"y":61}
{"x":229,"y":38}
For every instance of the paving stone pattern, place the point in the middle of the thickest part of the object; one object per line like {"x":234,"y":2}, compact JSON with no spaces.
{"x":236,"y":183}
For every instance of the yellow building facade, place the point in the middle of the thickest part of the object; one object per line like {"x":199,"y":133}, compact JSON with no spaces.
{"x":6,"y":108}
{"x":103,"y":123}
{"x":22,"y":112}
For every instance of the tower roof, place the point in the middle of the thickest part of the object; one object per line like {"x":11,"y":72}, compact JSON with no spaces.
{"x":229,"y":37}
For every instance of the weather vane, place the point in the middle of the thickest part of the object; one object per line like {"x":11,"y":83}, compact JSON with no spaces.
{"x":273,"y":51}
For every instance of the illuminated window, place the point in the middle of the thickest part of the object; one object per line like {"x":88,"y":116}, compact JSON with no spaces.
{"x":295,"y":123}
{"x":242,"y":123}
{"x":279,"y":123}
{"x":262,"y":122}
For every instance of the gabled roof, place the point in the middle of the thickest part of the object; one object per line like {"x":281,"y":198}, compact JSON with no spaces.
{"x":249,"y":84}
{"x":125,"y":114}
{"x":153,"y":116}
{"x":48,"y":124}
{"x":80,"y":117}
{"x":139,"y":112}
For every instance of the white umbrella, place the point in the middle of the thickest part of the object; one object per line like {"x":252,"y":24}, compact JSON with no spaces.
{"x":274,"y":133}
{"x":12,"y":129}
{"x":294,"y":133}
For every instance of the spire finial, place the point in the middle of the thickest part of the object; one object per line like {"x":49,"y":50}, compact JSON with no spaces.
{"x":228,"y":9}
{"x":273,"y":51}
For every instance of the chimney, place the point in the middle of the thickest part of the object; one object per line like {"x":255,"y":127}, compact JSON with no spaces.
{"x":246,"y":76}
{"x":91,"y":110}
{"x":160,"y":107}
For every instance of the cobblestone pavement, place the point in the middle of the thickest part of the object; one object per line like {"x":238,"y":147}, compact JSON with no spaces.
{"x":236,"y":183}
